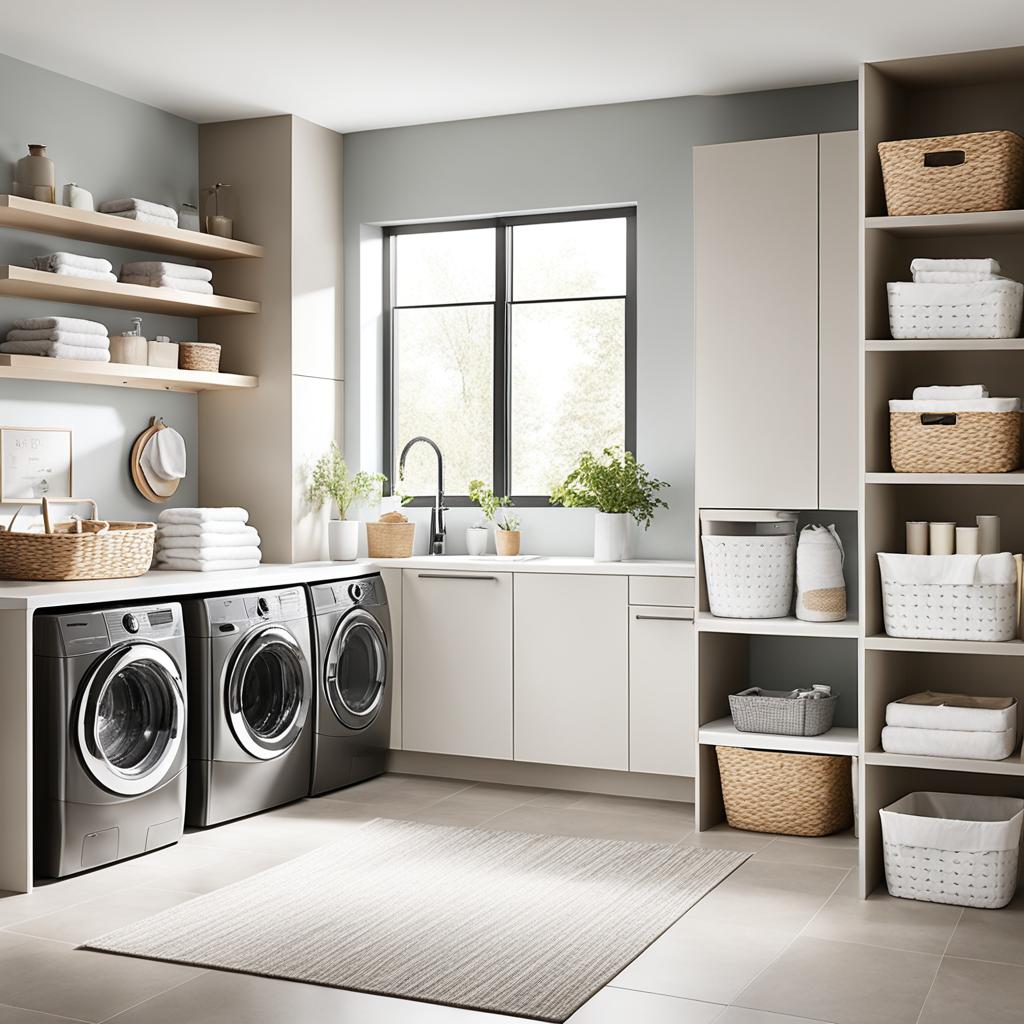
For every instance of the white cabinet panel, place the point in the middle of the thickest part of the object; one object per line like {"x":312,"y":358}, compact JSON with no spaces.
{"x":457,"y":662}
{"x":572,"y":670}
{"x":662,"y":703}
{"x":393,"y":585}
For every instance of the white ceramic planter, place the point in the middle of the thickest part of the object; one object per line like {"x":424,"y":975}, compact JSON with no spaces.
{"x":476,"y":540}
{"x":610,"y":536}
{"x":343,"y":539}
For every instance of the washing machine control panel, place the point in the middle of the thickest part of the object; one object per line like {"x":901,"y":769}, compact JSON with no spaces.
{"x":87,"y":632}
{"x":269,"y":606}
{"x":368,"y":591}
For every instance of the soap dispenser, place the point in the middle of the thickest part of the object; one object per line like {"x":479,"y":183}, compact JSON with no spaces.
{"x":130,"y":347}
{"x":163,"y":352}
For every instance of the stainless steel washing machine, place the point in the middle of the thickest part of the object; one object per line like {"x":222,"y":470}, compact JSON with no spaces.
{"x":353,"y":657}
{"x":250,"y":689}
{"x":109,"y":728}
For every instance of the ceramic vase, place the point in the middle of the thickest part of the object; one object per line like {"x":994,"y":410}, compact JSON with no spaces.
{"x":610,"y":536}
{"x":34,"y":177}
{"x":476,"y":540}
{"x":507,"y":541}
{"x":343,"y":539}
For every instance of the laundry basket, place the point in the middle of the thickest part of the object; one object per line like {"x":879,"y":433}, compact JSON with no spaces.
{"x":985,"y":309}
{"x":749,"y":562}
{"x":952,"y":848}
{"x":782,"y":712}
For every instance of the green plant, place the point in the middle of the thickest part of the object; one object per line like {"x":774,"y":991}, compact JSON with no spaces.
{"x":611,"y":482}
{"x":488,"y":501}
{"x":330,"y":482}
{"x":509,"y":521}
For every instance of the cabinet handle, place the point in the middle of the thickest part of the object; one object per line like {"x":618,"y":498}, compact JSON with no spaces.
{"x":665,"y":618}
{"x":452,"y":576}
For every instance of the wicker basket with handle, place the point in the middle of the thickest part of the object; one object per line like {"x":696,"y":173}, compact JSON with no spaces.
{"x":963,"y":442}
{"x":90,"y":549}
{"x":199,"y":355}
{"x":389,"y":540}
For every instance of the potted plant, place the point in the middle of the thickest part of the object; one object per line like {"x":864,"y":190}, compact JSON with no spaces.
{"x":489,"y":502}
{"x":617,"y":486}
{"x":507,"y":535}
{"x":330,"y":482}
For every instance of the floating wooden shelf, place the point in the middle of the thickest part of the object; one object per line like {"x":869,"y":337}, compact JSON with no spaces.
{"x":1011,"y":765}
{"x":788,"y":626}
{"x":1007,"y":648}
{"x":997,"y":222}
{"x":1016,"y":478}
{"x":104,"y":228}
{"x":948,"y":345}
{"x":38,"y":284}
{"x":722,"y":733}
{"x":122,"y":375}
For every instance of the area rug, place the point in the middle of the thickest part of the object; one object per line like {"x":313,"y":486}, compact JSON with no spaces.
{"x":527,"y":925}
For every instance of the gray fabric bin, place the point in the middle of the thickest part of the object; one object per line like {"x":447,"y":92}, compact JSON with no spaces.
{"x":781,"y":713}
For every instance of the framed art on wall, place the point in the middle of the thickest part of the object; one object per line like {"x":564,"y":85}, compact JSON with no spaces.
{"x":35,"y":463}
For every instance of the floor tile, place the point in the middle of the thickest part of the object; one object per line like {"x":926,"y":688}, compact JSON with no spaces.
{"x":615,"y":1005}
{"x":632,"y":805}
{"x":996,"y":935}
{"x":844,"y":983}
{"x":473,"y":806}
{"x":15,"y":1015}
{"x":741,"y":1015}
{"x":216,"y":868}
{"x":788,"y":852}
{"x":399,"y":792}
{"x":589,"y":823}
{"x":722,"y":837}
{"x":971,"y":990}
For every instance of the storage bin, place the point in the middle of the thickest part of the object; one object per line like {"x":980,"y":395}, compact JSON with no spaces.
{"x":949,"y":597}
{"x":951,"y":725}
{"x":952,"y":848}
{"x":787,"y":794}
{"x":199,"y":355}
{"x":953,"y":173}
{"x":984,"y":310}
{"x":749,"y":563}
{"x":389,"y":540}
{"x":781,"y":712}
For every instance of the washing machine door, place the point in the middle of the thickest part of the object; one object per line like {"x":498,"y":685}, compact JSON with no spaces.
{"x":131,"y":719}
{"x":356,"y":669}
{"x":268,"y":692}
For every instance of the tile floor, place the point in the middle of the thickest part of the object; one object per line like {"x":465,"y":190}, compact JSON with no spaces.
{"x":784,"y":940}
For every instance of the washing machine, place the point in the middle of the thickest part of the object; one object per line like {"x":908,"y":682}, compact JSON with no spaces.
{"x":110,"y":736}
{"x":352,"y":629}
{"x":250,"y":692}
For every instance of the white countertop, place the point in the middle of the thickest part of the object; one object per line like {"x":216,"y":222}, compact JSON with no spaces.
{"x":161,"y":585}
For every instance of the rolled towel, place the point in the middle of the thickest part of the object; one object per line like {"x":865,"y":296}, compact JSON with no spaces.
{"x":935,"y":406}
{"x":207,"y":540}
{"x":62,"y":338}
{"x":199,"y":565}
{"x":961,"y":266}
{"x":72,"y":259}
{"x":139,"y":206}
{"x":60,"y":323}
{"x":152,"y":268}
{"x":939,"y":392}
{"x":222,"y":554}
{"x":181,"y":284}
{"x":148,"y":218}
{"x":55,"y":350}
{"x":953,"y":277}
{"x":200,"y":516}
{"x":214,"y":530}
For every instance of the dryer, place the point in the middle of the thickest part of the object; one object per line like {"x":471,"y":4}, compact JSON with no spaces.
{"x":250,"y":687}
{"x":352,"y":628}
{"x":109,"y":729}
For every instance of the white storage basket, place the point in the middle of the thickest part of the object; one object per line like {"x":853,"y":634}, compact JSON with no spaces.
{"x":951,"y":848}
{"x":987,"y":309}
{"x":920,"y":599}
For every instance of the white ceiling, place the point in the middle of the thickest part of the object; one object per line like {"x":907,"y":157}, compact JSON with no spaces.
{"x":358,"y":64}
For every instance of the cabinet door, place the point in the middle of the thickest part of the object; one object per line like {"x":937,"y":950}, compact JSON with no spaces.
{"x":572,"y":670}
{"x":756,"y":321}
{"x":393,"y":586}
{"x":662,"y":703}
{"x":838,"y":345}
{"x":457,"y":662}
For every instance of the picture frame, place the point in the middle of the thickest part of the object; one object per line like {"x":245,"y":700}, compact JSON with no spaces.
{"x":35,"y":462}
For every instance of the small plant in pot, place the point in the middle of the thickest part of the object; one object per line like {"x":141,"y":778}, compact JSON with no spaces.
{"x":490,"y":503}
{"x":617,"y":486}
{"x":330,"y":483}
{"x":507,"y":536}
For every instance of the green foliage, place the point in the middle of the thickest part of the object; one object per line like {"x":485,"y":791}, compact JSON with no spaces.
{"x":508,"y":521}
{"x":330,"y":482}
{"x":488,"y":501}
{"x":611,"y":482}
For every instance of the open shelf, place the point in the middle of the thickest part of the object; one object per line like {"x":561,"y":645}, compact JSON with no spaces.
{"x":38,"y":284}
{"x":722,"y":733}
{"x":1005,"y":648}
{"x":104,"y":228}
{"x":948,"y":345}
{"x":1011,"y":765}
{"x":153,"y":378}
{"x":1016,"y":478}
{"x":788,"y":626}
{"x":995,"y":222}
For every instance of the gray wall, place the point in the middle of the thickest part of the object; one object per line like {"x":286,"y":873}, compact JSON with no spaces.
{"x":114,"y":147}
{"x":592,"y":156}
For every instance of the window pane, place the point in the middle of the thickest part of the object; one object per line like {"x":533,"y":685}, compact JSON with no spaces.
{"x":444,"y":389}
{"x":568,"y":366}
{"x":567,"y":259}
{"x":444,"y":266}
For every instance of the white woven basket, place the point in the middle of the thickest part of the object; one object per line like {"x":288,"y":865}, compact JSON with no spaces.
{"x":987,"y":309}
{"x":749,"y":577}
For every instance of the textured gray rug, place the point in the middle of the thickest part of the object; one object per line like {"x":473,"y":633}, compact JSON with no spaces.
{"x":530,"y":925}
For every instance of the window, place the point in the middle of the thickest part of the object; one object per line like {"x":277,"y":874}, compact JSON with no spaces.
{"x":511,"y":343}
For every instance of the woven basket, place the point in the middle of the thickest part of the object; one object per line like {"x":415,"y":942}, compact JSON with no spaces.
{"x":788,"y":794}
{"x":389,"y":540}
{"x":953,"y":173}
{"x":749,"y":577}
{"x":983,"y":310}
{"x":199,"y":355}
{"x":975,"y":442}
{"x":101,"y":551}
{"x":777,"y":713}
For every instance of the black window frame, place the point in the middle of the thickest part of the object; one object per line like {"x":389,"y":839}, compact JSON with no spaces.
{"x":502,"y":303}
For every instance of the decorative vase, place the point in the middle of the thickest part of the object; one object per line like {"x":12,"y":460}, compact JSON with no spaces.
{"x":34,"y":177}
{"x":476,"y":540}
{"x":188,"y":217}
{"x":507,"y":541}
{"x":343,"y":539}
{"x":610,"y":536}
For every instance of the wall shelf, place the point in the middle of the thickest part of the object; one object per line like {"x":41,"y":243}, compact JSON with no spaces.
{"x":997,"y":222}
{"x":1007,"y":648}
{"x":38,"y":284}
{"x":1016,"y":478}
{"x":722,"y":733}
{"x":948,"y":345}
{"x":123,"y":375}
{"x":788,"y":626}
{"x":1011,"y":765}
{"x":104,"y":228}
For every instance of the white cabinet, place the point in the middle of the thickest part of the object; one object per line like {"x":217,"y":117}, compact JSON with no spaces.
{"x":457,"y":662}
{"x":662,"y":702}
{"x":393,"y":586}
{"x":571,"y":670}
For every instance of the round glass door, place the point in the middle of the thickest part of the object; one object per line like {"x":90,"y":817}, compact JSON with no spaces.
{"x":268,"y":692}
{"x":131,"y":718}
{"x":355,"y":672}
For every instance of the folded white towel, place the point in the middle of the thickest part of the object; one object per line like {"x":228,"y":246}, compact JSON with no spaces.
{"x":222,"y":554}
{"x":215,"y":530}
{"x":139,"y":205}
{"x":945,"y":717}
{"x":954,"y":277}
{"x":55,"y":350}
{"x":956,"y":569}
{"x":219,"y":541}
{"x":61,"y":338}
{"x":961,"y":266}
{"x":181,"y":284}
{"x":954,"y":405}
{"x":89,"y":275}
{"x":60,"y":323}
{"x":200,"y":516}
{"x":153,"y":268}
{"x":981,"y":746}
{"x":148,"y":218}
{"x":960,"y":392}
{"x":72,"y":259}
{"x":197,"y":565}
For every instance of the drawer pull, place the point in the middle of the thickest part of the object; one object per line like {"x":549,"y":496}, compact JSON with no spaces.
{"x":452,"y":576}
{"x":665,"y":618}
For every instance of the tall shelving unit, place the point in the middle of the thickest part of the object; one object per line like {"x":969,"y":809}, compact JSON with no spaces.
{"x":924,"y":97}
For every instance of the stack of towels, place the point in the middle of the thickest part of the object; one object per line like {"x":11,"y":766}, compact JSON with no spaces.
{"x":60,"y":337}
{"x":206,"y":540}
{"x":955,"y":271}
{"x":71,"y":265}
{"x":179,"y":276}
{"x":142,"y":211}
{"x":951,"y":725}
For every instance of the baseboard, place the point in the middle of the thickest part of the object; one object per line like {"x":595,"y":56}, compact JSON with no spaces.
{"x":543,"y":776}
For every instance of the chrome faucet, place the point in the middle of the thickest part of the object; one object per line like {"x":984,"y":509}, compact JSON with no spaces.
{"x":437,"y":530}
